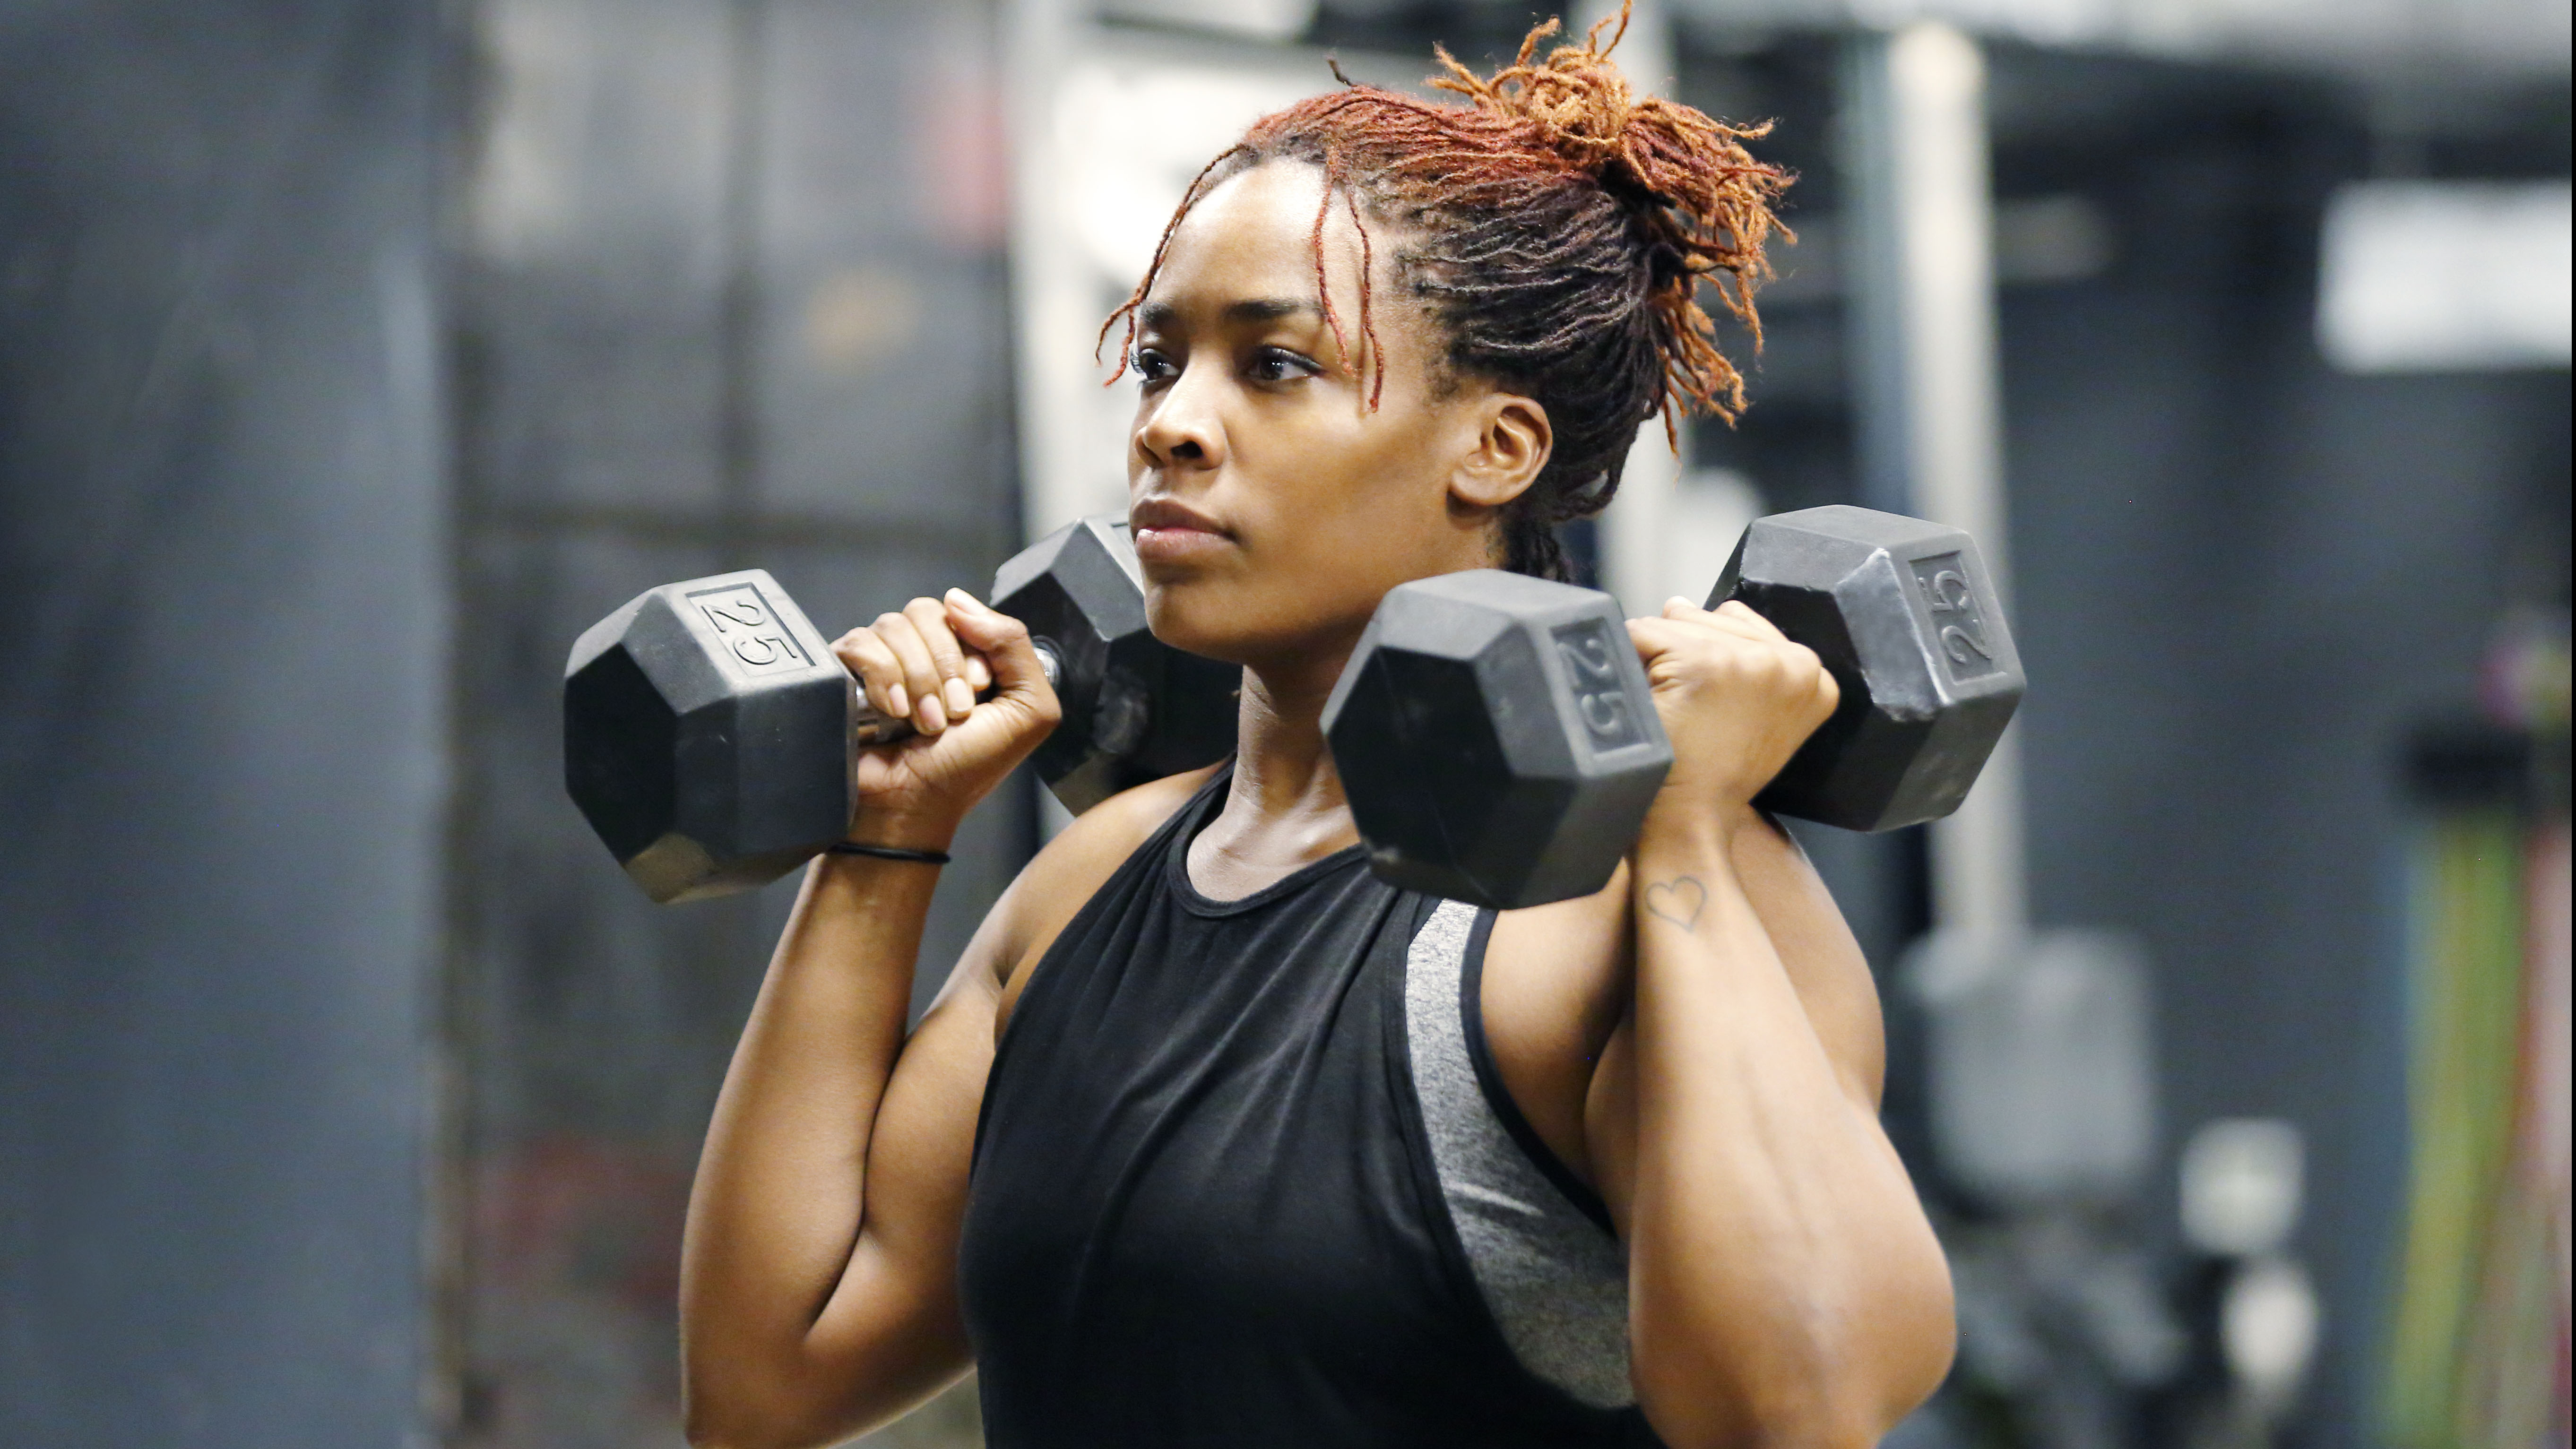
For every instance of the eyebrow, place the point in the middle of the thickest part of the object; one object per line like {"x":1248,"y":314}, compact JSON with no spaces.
{"x":1157,"y":315}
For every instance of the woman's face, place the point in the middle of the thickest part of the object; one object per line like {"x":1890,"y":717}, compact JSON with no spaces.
{"x":1272,"y":507}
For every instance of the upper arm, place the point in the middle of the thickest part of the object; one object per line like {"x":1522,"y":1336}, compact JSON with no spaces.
{"x":892,"y":1330}
{"x":896,"y":1308}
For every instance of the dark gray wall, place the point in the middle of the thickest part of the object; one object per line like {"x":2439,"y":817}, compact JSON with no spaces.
{"x":221,"y":719}
{"x":2243,"y":580}
{"x":727,"y":293}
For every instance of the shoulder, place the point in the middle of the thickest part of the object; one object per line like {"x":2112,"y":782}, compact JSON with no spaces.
{"x":1064,"y":875}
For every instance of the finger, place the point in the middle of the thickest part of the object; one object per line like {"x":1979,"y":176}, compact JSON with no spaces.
{"x":979,"y":673}
{"x":1678,"y":607}
{"x":1829,"y":690}
{"x":1003,"y":641}
{"x":930,"y":616}
{"x":920,"y":676}
{"x":1671,"y":632}
{"x":1656,"y":636}
{"x":1739,"y":614}
{"x":880,"y":674}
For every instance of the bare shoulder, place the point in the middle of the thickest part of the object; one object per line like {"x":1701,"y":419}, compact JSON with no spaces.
{"x":1071,"y":868}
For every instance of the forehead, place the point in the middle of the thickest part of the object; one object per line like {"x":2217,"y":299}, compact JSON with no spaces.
{"x":1253,"y":235}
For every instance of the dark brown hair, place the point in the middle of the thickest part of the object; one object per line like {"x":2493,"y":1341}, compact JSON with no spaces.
{"x":1557,"y":227}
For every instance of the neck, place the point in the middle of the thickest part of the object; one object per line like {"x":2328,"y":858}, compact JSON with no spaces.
{"x":1282,"y":765}
{"x":1284,"y":807}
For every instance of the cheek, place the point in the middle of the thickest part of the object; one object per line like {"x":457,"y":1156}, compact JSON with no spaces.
{"x":1384,"y":467}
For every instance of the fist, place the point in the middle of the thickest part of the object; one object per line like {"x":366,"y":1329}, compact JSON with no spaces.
{"x":1737,"y":697}
{"x":969,"y":681}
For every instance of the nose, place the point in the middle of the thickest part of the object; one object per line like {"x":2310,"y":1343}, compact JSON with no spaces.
{"x":1180,"y":429}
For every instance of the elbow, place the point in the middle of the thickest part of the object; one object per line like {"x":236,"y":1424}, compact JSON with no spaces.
{"x":728,"y":1416}
{"x":1822,"y":1420}
{"x":707,"y":1428}
{"x":1815,"y":1389}
{"x":1777,"y":1415}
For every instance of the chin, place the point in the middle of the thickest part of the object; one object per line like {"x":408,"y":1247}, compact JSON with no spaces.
{"x":1195,"y":619}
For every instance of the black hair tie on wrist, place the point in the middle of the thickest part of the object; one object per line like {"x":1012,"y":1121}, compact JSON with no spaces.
{"x":887,"y":852}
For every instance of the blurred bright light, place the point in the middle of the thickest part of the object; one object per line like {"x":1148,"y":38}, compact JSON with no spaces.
{"x":2042,"y":1062}
{"x":2267,"y":1331}
{"x":2241,"y":1183}
{"x":2517,"y":37}
{"x":1257,"y":19}
{"x":2445,"y":276}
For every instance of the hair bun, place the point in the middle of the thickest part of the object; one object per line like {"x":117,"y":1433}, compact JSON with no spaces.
{"x":1688,"y":177}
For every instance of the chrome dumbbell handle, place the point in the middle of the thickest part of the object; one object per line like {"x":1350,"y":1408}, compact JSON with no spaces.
{"x":867,"y":727}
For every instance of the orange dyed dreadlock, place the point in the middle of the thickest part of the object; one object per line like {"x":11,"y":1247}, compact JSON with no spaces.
{"x":1557,"y":227}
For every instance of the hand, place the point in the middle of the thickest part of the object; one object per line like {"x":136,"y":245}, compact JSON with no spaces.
{"x":1736,"y":695}
{"x":928,"y":664}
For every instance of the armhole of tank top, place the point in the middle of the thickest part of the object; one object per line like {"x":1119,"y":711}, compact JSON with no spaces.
{"x":1450,"y":1248}
{"x":1498,"y":1094}
{"x":1147,"y":856}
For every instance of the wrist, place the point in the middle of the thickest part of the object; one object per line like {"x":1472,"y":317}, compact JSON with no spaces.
{"x":901,"y":831}
{"x":1694,"y":826}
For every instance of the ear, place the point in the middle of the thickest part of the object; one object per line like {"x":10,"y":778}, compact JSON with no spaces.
{"x":1511,"y":445}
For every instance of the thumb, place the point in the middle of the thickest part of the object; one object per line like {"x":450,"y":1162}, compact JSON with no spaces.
{"x":1002,"y":640}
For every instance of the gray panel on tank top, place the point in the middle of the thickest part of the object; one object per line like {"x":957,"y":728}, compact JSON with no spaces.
{"x":1556,"y":1283}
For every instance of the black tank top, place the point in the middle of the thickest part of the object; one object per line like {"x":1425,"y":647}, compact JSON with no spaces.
{"x":1203,"y":1209}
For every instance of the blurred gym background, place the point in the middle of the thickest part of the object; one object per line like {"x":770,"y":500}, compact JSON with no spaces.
{"x":353,"y":356}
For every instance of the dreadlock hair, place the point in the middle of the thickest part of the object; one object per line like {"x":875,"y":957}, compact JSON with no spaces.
{"x":1557,"y":227}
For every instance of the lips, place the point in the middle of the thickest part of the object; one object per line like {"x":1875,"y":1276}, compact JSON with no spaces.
{"x":1166,"y":530}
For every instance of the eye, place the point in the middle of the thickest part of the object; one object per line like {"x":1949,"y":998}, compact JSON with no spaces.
{"x":1278,"y":364}
{"x":1152,"y":366}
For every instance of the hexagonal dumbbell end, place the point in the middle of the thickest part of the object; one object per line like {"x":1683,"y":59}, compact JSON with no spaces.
{"x":1135,"y":708}
{"x":1496,"y":738}
{"x":1905,"y":615}
{"x":706,"y":735}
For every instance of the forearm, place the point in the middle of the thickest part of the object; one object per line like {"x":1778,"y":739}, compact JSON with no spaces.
{"x":1785,"y":1282}
{"x":776,"y":1214}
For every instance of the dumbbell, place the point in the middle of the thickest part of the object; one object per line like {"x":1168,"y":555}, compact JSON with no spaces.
{"x":1498,"y":742}
{"x":709,"y":730}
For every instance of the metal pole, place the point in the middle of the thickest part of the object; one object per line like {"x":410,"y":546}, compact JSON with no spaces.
{"x":1923,"y":328}
{"x":1633,"y":530}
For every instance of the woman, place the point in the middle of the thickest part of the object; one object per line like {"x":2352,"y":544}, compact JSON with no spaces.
{"x":1214,"y":1139}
